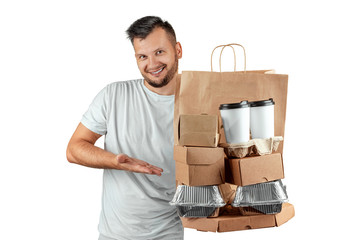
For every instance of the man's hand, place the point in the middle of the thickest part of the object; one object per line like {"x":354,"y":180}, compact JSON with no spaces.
{"x":135,"y":165}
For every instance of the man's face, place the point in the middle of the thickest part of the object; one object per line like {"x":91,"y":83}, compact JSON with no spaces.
{"x":157,"y":57}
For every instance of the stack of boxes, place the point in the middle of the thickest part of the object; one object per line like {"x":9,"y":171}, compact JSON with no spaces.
{"x":198,"y":159}
{"x":200,"y":162}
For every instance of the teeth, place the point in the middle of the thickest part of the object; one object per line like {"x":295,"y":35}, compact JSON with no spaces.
{"x":158,"y":71}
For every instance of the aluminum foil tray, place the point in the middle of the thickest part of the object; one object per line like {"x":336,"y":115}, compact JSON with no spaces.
{"x":200,"y":196}
{"x":195,"y":211}
{"x":269,"y":209}
{"x":260,"y":194}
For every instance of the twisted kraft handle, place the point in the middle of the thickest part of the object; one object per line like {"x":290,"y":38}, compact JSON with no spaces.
{"x":228,"y":45}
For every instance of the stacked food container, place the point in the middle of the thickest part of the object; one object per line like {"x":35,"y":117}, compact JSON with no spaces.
{"x":201,"y":201}
{"x":205,"y":169}
{"x":266,"y":198}
{"x":246,"y":122}
{"x":200,"y":167}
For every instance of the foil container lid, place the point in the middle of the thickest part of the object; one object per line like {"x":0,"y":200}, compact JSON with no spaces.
{"x":260,"y":194}
{"x":205,"y":196}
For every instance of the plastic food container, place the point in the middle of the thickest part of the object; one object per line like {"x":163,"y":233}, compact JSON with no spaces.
{"x":265,"y":197}
{"x":194,"y":211}
{"x":269,"y":209}
{"x":199,"y":201}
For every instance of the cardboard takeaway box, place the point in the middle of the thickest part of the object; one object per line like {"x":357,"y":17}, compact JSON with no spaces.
{"x":226,"y":223}
{"x":199,"y":130}
{"x":198,"y":166}
{"x":253,"y":170}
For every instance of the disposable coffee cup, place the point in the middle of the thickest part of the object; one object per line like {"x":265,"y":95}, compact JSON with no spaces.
{"x":262,"y":119}
{"x":236,"y":121}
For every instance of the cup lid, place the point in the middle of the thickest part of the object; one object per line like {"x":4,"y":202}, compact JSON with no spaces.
{"x":242,"y":104}
{"x":261,"y":103}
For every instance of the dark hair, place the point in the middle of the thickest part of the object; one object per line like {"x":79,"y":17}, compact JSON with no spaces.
{"x":142,"y":27}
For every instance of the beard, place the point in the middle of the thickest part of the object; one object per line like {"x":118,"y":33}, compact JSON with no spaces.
{"x":163,"y":82}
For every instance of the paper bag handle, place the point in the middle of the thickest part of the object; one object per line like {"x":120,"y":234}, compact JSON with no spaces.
{"x":228,"y":45}
{"x":223,"y":46}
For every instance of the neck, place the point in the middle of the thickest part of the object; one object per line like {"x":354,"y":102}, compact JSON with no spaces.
{"x":169,"y":89}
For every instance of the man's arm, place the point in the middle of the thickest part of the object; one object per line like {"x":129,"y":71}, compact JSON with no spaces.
{"x":81,"y":150}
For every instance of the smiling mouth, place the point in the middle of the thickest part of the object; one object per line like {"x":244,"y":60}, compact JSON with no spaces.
{"x":158,"y":71}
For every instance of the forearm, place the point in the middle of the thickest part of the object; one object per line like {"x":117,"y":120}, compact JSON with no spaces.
{"x":86,"y":154}
{"x":82,"y":150}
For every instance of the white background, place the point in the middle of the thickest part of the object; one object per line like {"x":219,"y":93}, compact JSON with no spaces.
{"x":56,"y":55}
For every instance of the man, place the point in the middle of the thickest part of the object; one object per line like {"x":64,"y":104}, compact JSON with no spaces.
{"x":136,"y":118}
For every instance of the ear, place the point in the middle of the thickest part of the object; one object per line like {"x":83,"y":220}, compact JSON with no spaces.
{"x":178,"y":50}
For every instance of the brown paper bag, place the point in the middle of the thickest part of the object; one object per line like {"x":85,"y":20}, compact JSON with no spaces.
{"x":200,"y":92}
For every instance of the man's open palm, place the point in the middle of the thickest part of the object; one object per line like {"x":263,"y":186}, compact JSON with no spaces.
{"x":135,"y":165}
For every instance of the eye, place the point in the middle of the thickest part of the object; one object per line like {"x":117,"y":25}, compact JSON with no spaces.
{"x":142,"y":57}
{"x":159,"y":52}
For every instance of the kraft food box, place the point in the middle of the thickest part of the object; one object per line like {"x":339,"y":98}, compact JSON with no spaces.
{"x":253,"y":170}
{"x":199,"y":166}
{"x":199,"y":130}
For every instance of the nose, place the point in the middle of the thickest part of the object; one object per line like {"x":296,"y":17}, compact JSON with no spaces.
{"x":153,"y":63}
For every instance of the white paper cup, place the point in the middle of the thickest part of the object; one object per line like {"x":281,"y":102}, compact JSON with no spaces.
{"x":236,"y":121}
{"x":262,"y":119}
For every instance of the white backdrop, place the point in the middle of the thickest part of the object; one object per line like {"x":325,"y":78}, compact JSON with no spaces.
{"x":56,"y":55}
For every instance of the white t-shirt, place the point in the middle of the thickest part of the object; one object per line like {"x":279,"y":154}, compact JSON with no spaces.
{"x":139,"y":123}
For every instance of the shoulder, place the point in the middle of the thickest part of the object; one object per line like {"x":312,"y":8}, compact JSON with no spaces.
{"x":124,"y":87}
{"x":127,"y":83}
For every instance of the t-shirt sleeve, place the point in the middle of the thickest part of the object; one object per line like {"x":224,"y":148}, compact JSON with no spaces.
{"x":95,"y":118}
